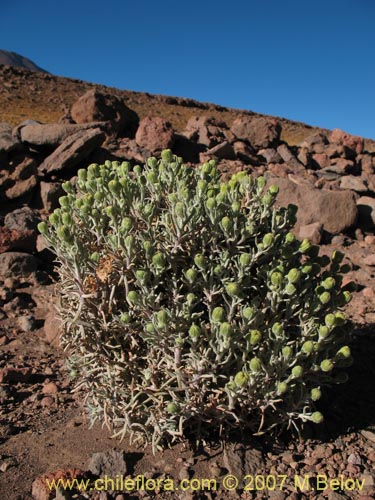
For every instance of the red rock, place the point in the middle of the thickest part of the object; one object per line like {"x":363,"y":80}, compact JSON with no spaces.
{"x":312,"y":232}
{"x":351,"y":141}
{"x":21,"y":188}
{"x":14,"y":374}
{"x":17,"y":264}
{"x":51,"y":135}
{"x":322,"y":160}
{"x":50,"y":388}
{"x":224,"y":150}
{"x":96,"y":106}
{"x":52,"y":328}
{"x":155,"y":134}
{"x":260,"y":132}
{"x":207,"y":131}
{"x":13,"y":239}
{"x":369,"y":260}
{"x":74,"y":149}
{"x":50,"y":193}
{"x":315,"y":143}
{"x":40,"y":489}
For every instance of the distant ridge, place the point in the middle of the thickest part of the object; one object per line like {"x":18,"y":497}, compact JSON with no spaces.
{"x":13,"y":59}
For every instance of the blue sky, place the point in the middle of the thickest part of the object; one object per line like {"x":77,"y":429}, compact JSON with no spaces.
{"x":308,"y":61}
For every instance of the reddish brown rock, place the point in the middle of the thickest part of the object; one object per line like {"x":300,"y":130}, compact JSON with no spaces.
{"x":74,"y":149}
{"x":351,"y":141}
{"x":8,"y":142}
{"x":155,"y":134}
{"x":335,"y":210}
{"x":96,"y":106}
{"x":206,"y":130}
{"x":11,"y":239}
{"x":312,"y":232}
{"x":50,"y":193}
{"x":315,"y":143}
{"x":322,"y":160}
{"x":260,"y":132}
{"x":17,"y":264}
{"x":224,"y":150}
{"x":41,"y":487}
{"x":52,"y":328}
{"x":366,"y":209}
{"x":51,"y":135}
{"x":354,"y":183}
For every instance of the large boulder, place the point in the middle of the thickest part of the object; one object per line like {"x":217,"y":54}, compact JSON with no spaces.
{"x":96,"y":106}
{"x":205,"y":130}
{"x":8,"y":142}
{"x":155,"y":134}
{"x":351,"y":141}
{"x":336,"y":211}
{"x":260,"y":132}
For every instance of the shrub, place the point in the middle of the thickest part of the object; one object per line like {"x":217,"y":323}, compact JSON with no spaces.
{"x":188,"y":304}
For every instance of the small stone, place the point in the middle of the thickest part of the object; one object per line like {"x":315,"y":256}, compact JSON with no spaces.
{"x":27,"y":323}
{"x":312,"y":232}
{"x":47,"y":402}
{"x":50,"y":388}
{"x":110,"y":463}
{"x":354,"y":459}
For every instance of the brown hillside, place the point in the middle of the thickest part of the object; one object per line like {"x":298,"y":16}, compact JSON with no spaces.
{"x":44,"y":97}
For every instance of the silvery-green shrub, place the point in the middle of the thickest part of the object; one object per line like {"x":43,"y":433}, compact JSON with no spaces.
{"x":188,"y":304}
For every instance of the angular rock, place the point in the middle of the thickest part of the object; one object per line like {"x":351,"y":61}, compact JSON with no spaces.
{"x":50,"y":193}
{"x":22,"y":219}
{"x":52,"y":328}
{"x":17,"y":264}
{"x":315,"y":143}
{"x":51,"y":135}
{"x":367,"y":163}
{"x":289,"y":158}
{"x":369,"y":260}
{"x":366,"y":210}
{"x":74,"y":149}
{"x":335,"y":210}
{"x":16,"y":240}
{"x":205,"y":130}
{"x":223,"y":151}
{"x":354,"y":183}
{"x":245,"y":153}
{"x":342,"y":165}
{"x":21,"y":188}
{"x":351,"y":141}
{"x":322,"y":160}
{"x":155,"y":134}
{"x":260,"y":132}
{"x":111,"y":463}
{"x":312,"y":232}
{"x":97,"y":106}
{"x":41,"y":486}
{"x":8,"y":142}
{"x":241,"y":460}
{"x":270,"y":155}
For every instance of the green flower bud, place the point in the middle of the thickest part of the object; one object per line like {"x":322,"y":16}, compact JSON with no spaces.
{"x":233,"y":289}
{"x":344,"y":353}
{"x":225,"y":329}
{"x":282,"y":387}
{"x":152,"y":178}
{"x":287,"y":352}
{"x":173,"y":408}
{"x":67,"y":219}
{"x":134,"y":297}
{"x":54,"y":219}
{"x":261,"y":181}
{"x":248,"y":313}
{"x":180,"y":209}
{"x":255,"y":337}
{"x":290,"y":289}
{"x":329,"y":283}
{"x":211,"y":204}
{"x":241,"y":379}
{"x":141,"y":275}
{"x":305,"y":246}
{"x":82,"y":175}
{"x":148,"y":247}
{"x":268,"y":239}
{"x":115,"y":187}
{"x":273,"y":189}
{"x":137,"y":170}
{"x":323,"y":332}
{"x":125,"y":318}
{"x":129,"y":243}
{"x":64,"y":234}
{"x":95,"y":257}
{"x":317,"y":417}
{"x":294,"y":275}
{"x":277,"y":329}
{"x":337,"y":257}
{"x":289,"y":238}
{"x":347,"y":296}
{"x":159,"y":260}
{"x":200,"y":261}
{"x":307,"y":269}
{"x":201,"y":185}
{"x":277,"y":278}
{"x":325,"y":297}
{"x":126,"y":224}
{"x":316,"y":393}
{"x":162,"y":318}
{"x":330,"y":320}
{"x":268,"y":199}
{"x":218,"y":314}
{"x":308,"y":347}
{"x":326,"y":365}
{"x":226,"y":224}
{"x":255,"y":365}
{"x":43,"y":227}
{"x":245,"y":259}
{"x":167,"y":155}
{"x":64,"y":201}
{"x":340,"y":318}
{"x":190,"y":298}
{"x":195,"y":331}
{"x":191,"y":275}
{"x":297,"y":371}
{"x":218,"y":270}
{"x":236,"y":206}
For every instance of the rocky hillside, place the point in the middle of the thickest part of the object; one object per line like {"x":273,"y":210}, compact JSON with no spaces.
{"x":13,"y":59}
